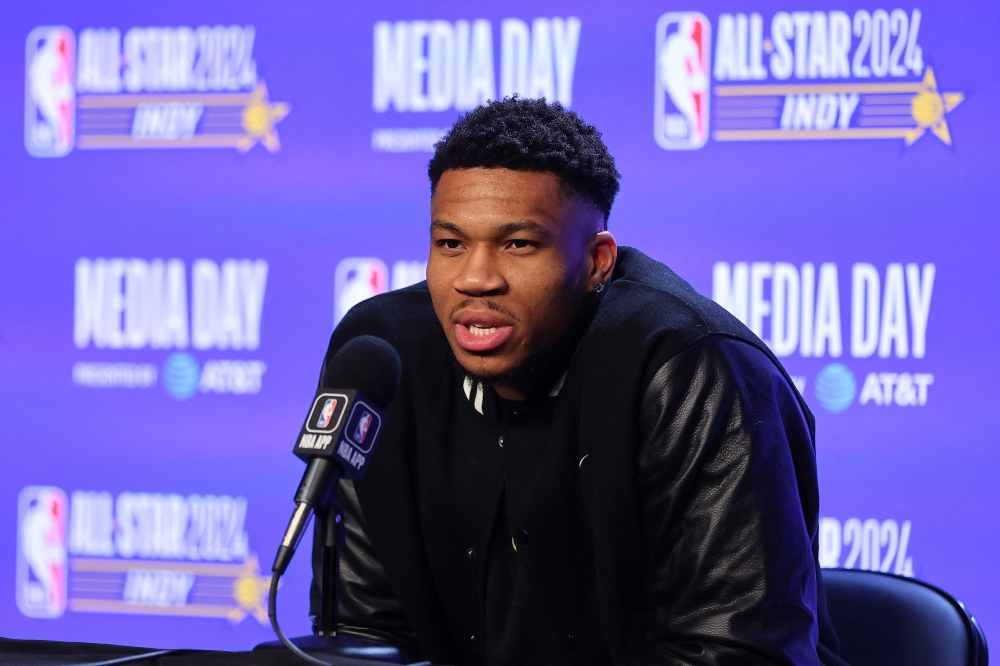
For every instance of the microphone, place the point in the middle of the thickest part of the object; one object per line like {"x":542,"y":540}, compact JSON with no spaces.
{"x":341,"y":428}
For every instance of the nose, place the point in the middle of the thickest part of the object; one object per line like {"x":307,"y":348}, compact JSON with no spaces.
{"x":480,"y":275}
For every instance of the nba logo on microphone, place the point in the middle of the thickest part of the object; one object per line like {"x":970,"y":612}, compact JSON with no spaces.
{"x":50,"y":92}
{"x":326,"y":415}
{"x":355,"y":279}
{"x":41,"y":551}
{"x":682,"y":80}
{"x":363,"y":424}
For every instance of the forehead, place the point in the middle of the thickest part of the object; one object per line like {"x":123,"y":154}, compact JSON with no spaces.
{"x":480,"y":192}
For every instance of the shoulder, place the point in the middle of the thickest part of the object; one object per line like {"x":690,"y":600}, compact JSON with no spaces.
{"x":727,"y":373}
{"x":720,"y":358}
{"x":649,"y":315}
{"x":413,"y":301}
{"x":649,"y":296}
{"x":405,"y":318}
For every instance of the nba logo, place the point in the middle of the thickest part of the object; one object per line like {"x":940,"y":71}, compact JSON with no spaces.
{"x":363,"y":426}
{"x":326,"y":415}
{"x":50,"y":94}
{"x":682,"y":80}
{"x":41,"y":551}
{"x":356,"y":279}
{"x":362,"y":430}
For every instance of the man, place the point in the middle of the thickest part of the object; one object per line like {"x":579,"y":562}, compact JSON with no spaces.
{"x":587,"y":462}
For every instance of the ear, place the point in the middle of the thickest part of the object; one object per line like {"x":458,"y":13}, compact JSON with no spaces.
{"x":603,"y":254}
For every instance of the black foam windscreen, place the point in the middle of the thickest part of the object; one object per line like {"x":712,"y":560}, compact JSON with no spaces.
{"x":368,"y":364}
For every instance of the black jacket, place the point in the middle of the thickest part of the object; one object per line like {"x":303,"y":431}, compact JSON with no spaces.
{"x":674,"y":518}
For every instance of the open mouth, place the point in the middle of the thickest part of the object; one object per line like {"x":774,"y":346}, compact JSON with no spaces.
{"x":477,"y":335}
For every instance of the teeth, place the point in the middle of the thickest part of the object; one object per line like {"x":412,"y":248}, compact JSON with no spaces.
{"x":478,"y":330}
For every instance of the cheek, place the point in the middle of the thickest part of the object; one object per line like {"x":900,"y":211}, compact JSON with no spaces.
{"x":557,"y":283}
{"x":435,"y":272}
{"x":549,"y":299}
{"x":441,"y":274}
{"x":540,"y":279}
{"x":438,"y":284}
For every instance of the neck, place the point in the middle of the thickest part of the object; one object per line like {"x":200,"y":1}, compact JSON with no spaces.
{"x":510,"y":393}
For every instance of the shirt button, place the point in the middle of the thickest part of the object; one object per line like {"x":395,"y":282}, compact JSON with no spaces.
{"x":471,"y":553}
{"x":501,"y":441}
{"x":472,"y":637}
{"x":522,"y":537}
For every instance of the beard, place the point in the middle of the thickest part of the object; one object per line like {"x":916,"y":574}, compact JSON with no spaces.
{"x":536,"y":374}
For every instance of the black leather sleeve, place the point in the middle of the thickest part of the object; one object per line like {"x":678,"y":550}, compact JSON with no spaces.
{"x":728,"y":489}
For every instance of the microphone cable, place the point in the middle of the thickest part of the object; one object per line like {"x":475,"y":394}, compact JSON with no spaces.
{"x":132,"y":658}
{"x":272,"y":614}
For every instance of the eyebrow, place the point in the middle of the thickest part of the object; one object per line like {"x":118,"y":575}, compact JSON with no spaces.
{"x":515,"y":227}
{"x":447,"y":226}
{"x":503,"y":230}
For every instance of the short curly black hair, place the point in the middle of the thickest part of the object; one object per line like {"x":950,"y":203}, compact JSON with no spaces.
{"x":531,"y":135}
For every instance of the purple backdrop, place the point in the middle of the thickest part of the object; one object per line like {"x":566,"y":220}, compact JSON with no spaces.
{"x":193,"y":194}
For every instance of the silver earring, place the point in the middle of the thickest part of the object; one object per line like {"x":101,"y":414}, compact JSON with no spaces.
{"x":599,"y":287}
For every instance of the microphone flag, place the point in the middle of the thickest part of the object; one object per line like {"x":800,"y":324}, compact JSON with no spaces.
{"x":342,"y":426}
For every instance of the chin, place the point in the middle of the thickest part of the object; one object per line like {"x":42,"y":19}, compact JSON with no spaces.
{"x":485,"y":367}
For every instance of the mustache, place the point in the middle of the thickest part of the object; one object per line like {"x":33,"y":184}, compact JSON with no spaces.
{"x":490,"y":305}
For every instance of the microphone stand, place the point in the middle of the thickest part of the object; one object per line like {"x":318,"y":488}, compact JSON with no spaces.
{"x":329,"y":641}
{"x":330,"y":533}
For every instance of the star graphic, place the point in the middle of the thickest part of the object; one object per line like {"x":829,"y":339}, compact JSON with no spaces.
{"x":928,"y":109}
{"x":259,"y":118}
{"x":250,"y":591}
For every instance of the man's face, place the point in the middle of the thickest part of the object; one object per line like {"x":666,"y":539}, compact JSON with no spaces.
{"x":511,"y":259}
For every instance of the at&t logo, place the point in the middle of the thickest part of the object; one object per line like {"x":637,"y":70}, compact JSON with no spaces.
{"x":836,"y":387}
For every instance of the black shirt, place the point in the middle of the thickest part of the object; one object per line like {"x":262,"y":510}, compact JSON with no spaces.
{"x":505,"y":439}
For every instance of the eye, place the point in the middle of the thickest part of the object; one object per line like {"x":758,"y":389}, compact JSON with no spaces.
{"x":521,"y":244}
{"x":450,"y":244}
